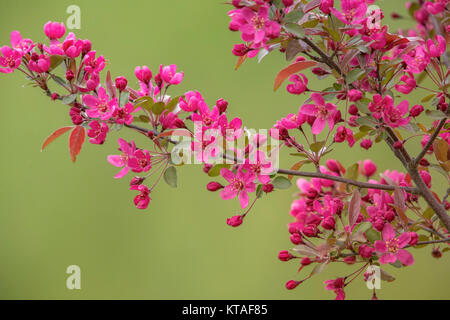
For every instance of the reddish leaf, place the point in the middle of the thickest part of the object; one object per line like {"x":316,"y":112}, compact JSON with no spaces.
{"x":293,"y":68}
{"x":110,"y":85}
{"x":354,"y":208}
{"x":54,"y":135}
{"x":240,"y":62}
{"x":76,"y":141}
{"x":311,"y":5}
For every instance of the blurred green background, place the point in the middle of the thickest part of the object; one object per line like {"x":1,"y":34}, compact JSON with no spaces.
{"x":54,"y":213}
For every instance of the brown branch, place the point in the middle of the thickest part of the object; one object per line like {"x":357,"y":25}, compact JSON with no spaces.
{"x":427,"y":147}
{"x":359,"y":184}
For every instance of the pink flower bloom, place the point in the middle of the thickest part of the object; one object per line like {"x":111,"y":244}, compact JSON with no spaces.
{"x":337,"y":286}
{"x":121,"y":161}
{"x":101,"y":106}
{"x":93,"y":64}
{"x":354,"y":95}
{"x":259,"y":165}
{"x":366,"y":144}
{"x":205,"y":115}
{"x":379,"y":104}
{"x":170,"y":120}
{"x":169,"y":74}
{"x":140,"y":161}
{"x":22,"y":45}
{"x":190,"y":101}
{"x":410,"y":84}
{"x":393,"y":116}
{"x":293,"y":121}
{"x":368,"y":168}
{"x":416,"y":110}
{"x":230,"y":130}
{"x":122,"y":115}
{"x":39,"y":63}
{"x":436,"y":50}
{"x":352,"y":11}
{"x":299,"y":85}
{"x":436,"y":7}
{"x":54,"y":30}
{"x":98,"y":132}
{"x":418,"y":62}
{"x":342,"y":134}
{"x":72,"y":47}
{"x":391,"y":247}
{"x":256,"y":26}
{"x":240,"y":184}
{"x":10,"y":59}
{"x":142,"y":200}
{"x":324,"y":113}
{"x":205,"y":145}
{"x":143,"y":74}
{"x":326,"y":5}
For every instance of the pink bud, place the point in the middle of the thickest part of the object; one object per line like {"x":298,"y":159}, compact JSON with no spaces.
{"x":121,"y":83}
{"x":365,"y":251}
{"x":292,"y":284}
{"x":214,"y":186}
{"x":136,"y":181}
{"x":54,"y":30}
{"x":414,"y":238}
{"x":54,"y":96}
{"x":424,"y":162}
{"x":222,"y":105}
{"x":240,"y":50}
{"x":235,"y":221}
{"x":368,"y":168}
{"x":306,"y":261}
{"x":334,"y":166}
{"x":143,"y":74}
{"x":426,"y":177}
{"x":268,"y":188}
{"x":350,"y":260}
{"x":70,"y":75}
{"x":366,"y":144}
{"x":328,"y":223}
{"x":354,"y":95}
{"x":285,"y":255}
{"x":353,"y":110}
{"x":416,"y":111}
{"x":288,"y":3}
{"x":436,"y":253}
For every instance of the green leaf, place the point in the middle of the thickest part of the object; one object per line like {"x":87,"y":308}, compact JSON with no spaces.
{"x":317,"y":146}
{"x":354,"y":75}
{"x":158,"y":108}
{"x":352,"y":172}
{"x":171,"y":177}
{"x":173,"y":104}
{"x":69,"y":99}
{"x":281,"y":183}
{"x":295,"y":29}
{"x":372,"y":235}
{"x":215,"y":171}
{"x":144,"y":102}
{"x":55,"y":61}
{"x":435,"y":114}
{"x":294,"y":16}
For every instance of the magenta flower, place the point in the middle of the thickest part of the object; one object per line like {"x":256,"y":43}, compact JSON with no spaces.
{"x":368,"y":168}
{"x":230,"y":130}
{"x":101,"y":106}
{"x":394,"y":116}
{"x":323,"y":113}
{"x":93,"y":64}
{"x":142,"y":200}
{"x":97,"y":132}
{"x":54,"y":30}
{"x":353,"y":11}
{"x":293,"y":121}
{"x":205,"y":115}
{"x":140,"y":161}
{"x":190,"y":101}
{"x":143,"y":74}
{"x":240,"y":184}
{"x":39,"y":63}
{"x":259,"y":165}
{"x":256,"y":27}
{"x":409,"y":84}
{"x":342,"y":134}
{"x":379,"y":104}
{"x":417,"y":63}
{"x":22,"y":45}
{"x":299,"y":85}
{"x":391,"y":247}
{"x":436,"y":50}
{"x":10,"y":59}
{"x":205,"y":145}
{"x":337,"y":286}
{"x":169,"y":74}
{"x":122,"y":115}
{"x":72,"y":47}
{"x":170,"y":120}
{"x":121,"y":161}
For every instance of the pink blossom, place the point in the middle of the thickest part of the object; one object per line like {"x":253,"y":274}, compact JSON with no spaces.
{"x":324,"y":113}
{"x":326,"y":5}
{"x":436,"y":50}
{"x":230,"y":130}
{"x":436,"y":7}
{"x":121,"y":161}
{"x":205,"y":115}
{"x":72,"y":47}
{"x":10,"y":59}
{"x":122,"y":115}
{"x":100,"y":106}
{"x":293,"y":121}
{"x":418,"y":62}
{"x":140,"y":161}
{"x":352,"y":11}
{"x":97,"y":132}
{"x":240,"y":184}
{"x":367,"y":168}
{"x":142,"y":200}
{"x":143,"y":74}
{"x":394,"y":116}
{"x":410,"y":84}
{"x":22,"y":45}
{"x":54,"y":30}
{"x":39,"y":63}
{"x":299,"y":85}
{"x":205,"y":145}
{"x":342,"y":134}
{"x":366,"y":144}
{"x":379,"y":104}
{"x":391,"y":247}
{"x":259,"y":165}
{"x":354,"y":95}
{"x":169,"y":74}
{"x":416,"y":110}
{"x":170,"y":120}
{"x":190,"y":101}
{"x":337,"y":286}
{"x":93,"y":64}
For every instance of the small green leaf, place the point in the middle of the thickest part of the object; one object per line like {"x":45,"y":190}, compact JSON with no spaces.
{"x":158,"y":108}
{"x":69,"y":99}
{"x":294,"y":16}
{"x":215,"y":171}
{"x":372,"y":235}
{"x":295,"y":29}
{"x":171,"y":177}
{"x":173,"y":104}
{"x":352,"y":172}
{"x":281,"y":183}
{"x":317,"y":146}
{"x":354,"y":75}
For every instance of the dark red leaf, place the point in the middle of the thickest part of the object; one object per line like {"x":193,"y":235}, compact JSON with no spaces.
{"x":76,"y":141}
{"x":55,"y":135}
{"x":293,"y":68}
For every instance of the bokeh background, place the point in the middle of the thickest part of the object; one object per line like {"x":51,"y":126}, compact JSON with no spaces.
{"x":54,"y":213}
